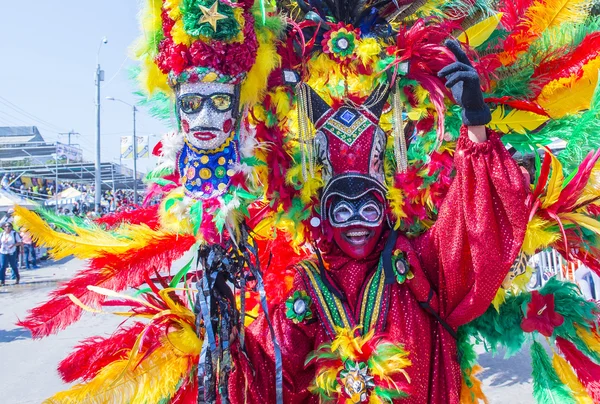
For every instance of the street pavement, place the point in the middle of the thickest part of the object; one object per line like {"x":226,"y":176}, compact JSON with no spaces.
{"x":28,"y":367}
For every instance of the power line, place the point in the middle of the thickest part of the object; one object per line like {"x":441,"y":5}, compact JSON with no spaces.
{"x":21,"y":122}
{"x":21,"y":111}
{"x":115,"y":75}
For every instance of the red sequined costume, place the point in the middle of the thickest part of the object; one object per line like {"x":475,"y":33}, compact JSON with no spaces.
{"x":462,"y":260}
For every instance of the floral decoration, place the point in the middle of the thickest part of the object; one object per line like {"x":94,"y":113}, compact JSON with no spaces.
{"x":229,"y":59}
{"x":299,"y":307}
{"x":360,"y":369}
{"x":541,"y":315}
{"x":401,"y":267}
{"x":340,"y":42}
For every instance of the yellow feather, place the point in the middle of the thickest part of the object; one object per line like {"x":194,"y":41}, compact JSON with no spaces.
{"x":567,"y":376}
{"x":88,"y":243}
{"x":326,"y":380}
{"x":255,"y":83}
{"x":152,"y":79}
{"x":516,"y":121}
{"x":480,"y":32}
{"x":537,"y":235}
{"x":154,"y":379}
{"x":582,"y":220}
{"x":519,"y":284}
{"x":555,"y":183}
{"x":592,"y":189}
{"x":499,"y":299}
{"x":571,"y":94}
{"x":151,"y":19}
{"x":396,"y":202}
{"x":310,"y":189}
{"x":180,"y":36}
{"x":591,"y":339}
{"x":174,"y":8}
{"x":544,"y":14}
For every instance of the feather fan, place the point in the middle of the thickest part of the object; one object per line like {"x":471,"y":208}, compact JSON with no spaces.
{"x":587,"y":371}
{"x":154,"y":379}
{"x":98,"y":352}
{"x":112,"y":271}
{"x":88,"y":242}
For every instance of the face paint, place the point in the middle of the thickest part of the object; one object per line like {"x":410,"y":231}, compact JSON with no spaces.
{"x":207,"y":113}
{"x":357,"y":224}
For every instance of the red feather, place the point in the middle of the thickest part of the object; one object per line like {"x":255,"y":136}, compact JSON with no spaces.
{"x":115,"y":272}
{"x":513,"y":10}
{"x":93,"y":354}
{"x":567,"y":65}
{"x":587,"y":371}
{"x":519,"y":104}
{"x":188,"y":392}
{"x":543,"y":178}
{"x":572,"y":191}
{"x":147,"y":216}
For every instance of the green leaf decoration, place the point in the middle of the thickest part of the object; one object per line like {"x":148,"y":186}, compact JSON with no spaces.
{"x":253,"y":161}
{"x":170,"y":202}
{"x":180,"y":274}
{"x":196,"y":214}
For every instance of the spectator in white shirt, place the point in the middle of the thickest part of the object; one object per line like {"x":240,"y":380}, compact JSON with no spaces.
{"x":9,"y":242}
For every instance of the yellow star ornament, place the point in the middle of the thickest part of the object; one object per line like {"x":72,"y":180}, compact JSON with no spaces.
{"x":211,"y":15}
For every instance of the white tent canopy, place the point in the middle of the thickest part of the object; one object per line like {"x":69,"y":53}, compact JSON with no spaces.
{"x":67,"y":197}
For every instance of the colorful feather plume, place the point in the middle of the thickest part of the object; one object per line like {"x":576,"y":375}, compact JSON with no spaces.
{"x":559,"y":209}
{"x":587,"y":371}
{"x":143,"y":363}
{"x":547,"y":386}
{"x":87,"y":242}
{"x":112,"y":271}
{"x":566,"y":375}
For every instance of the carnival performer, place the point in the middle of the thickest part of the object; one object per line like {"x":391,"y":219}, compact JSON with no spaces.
{"x":340,"y":187}
{"x":455,"y":268}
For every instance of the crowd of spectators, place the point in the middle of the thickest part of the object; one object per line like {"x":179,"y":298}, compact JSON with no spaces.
{"x":82,"y":205}
{"x":110,"y":202}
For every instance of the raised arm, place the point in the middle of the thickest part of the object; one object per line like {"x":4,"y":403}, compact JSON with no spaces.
{"x":482,"y":221}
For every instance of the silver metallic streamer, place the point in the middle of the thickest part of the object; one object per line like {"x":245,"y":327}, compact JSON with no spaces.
{"x":398,"y":127}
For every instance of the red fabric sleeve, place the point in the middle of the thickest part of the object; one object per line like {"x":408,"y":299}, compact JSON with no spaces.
{"x":479,"y":231}
{"x":253,"y":377}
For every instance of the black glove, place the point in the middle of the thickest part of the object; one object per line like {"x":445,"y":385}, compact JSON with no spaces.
{"x":462,"y":79}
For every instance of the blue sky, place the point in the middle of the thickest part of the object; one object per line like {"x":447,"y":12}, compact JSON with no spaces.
{"x":47,"y":66}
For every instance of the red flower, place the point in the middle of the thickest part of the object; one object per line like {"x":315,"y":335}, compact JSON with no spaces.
{"x":541,"y":315}
{"x":167,"y":23}
{"x":172,"y":57}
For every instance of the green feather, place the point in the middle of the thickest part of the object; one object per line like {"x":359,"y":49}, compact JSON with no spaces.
{"x":180,"y":274}
{"x":547,"y":387}
{"x":68,"y":224}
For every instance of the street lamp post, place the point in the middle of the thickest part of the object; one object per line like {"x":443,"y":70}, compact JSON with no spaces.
{"x":98,"y":164}
{"x":56,"y":180}
{"x":134,"y":109}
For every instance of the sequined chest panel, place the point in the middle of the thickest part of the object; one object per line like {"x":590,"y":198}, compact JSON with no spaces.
{"x":371,"y":311}
{"x":207,"y":175}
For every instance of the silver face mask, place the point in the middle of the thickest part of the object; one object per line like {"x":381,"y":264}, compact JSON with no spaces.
{"x":207,"y":112}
